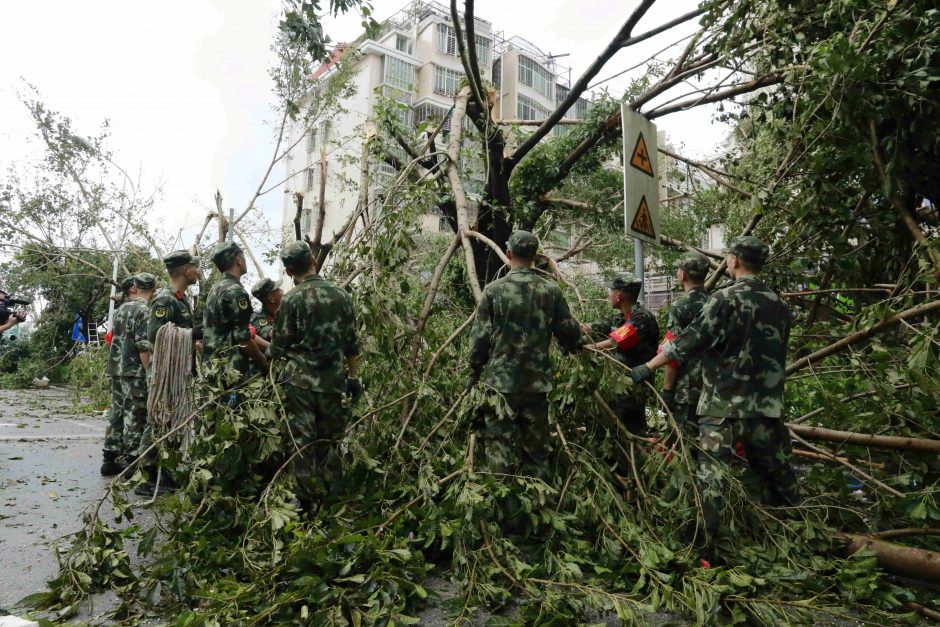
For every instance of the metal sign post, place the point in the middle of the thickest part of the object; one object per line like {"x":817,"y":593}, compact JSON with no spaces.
{"x":640,"y":185}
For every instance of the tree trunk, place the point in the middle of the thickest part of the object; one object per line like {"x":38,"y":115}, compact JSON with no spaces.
{"x":865,"y":439}
{"x":897,"y":559}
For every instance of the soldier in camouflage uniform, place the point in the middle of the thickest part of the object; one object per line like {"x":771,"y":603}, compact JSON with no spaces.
{"x":509,"y":348}
{"x":171,"y":304}
{"x":635,"y":333}
{"x":682,"y":383}
{"x":741,"y":335}
{"x":269,"y":295}
{"x":113,"y":438}
{"x":227,"y":336}
{"x":135,"y":361}
{"x":314,"y":352}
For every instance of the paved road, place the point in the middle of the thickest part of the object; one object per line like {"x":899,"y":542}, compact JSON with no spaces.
{"x":49,"y":461}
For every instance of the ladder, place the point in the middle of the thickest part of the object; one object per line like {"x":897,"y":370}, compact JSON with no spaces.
{"x":93,"y":339}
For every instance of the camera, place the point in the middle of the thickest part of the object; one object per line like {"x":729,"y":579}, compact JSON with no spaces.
{"x":7,"y":309}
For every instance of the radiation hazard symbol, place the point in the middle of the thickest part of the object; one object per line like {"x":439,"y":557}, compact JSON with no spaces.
{"x":643,"y":221}
{"x":641,"y":157}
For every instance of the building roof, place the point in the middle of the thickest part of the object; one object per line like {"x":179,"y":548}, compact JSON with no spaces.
{"x":335,"y":56}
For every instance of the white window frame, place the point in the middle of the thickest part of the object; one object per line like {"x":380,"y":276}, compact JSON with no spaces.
{"x":399,"y":74}
{"x":529,"y":109}
{"x":446,"y":39}
{"x":446,"y":81}
{"x":401,"y":40}
{"x":540,"y":79}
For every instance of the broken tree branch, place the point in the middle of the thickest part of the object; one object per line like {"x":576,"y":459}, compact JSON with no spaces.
{"x":887,"y":323}
{"x":865,"y":439}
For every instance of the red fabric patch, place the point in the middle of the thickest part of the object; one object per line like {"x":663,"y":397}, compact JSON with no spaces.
{"x":109,"y":337}
{"x":705,"y":563}
{"x":668,"y":338}
{"x":251,"y":328}
{"x":626,"y":336}
{"x":739,"y":449}
{"x":179,"y":295}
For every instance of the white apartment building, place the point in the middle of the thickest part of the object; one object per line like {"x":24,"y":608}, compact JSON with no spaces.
{"x":414,"y":60}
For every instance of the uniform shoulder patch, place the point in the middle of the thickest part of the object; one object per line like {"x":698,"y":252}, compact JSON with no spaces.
{"x":242,"y":302}
{"x":159,"y":311}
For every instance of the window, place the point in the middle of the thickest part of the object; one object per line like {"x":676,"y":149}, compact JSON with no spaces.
{"x":431,"y":112}
{"x":498,"y":73}
{"x":447,"y":44}
{"x":528,"y":109}
{"x":311,"y":140}
{"x":536,"y":77}
{"x":484,"y":48}
{"x":318,"y":136}
{"x":308,"y":219}
{"x":403,"y":44}
{"x":446,"y":81}
{"x":446,"y":39}
{"x":399,"y":74}
{"x":310,"y":178}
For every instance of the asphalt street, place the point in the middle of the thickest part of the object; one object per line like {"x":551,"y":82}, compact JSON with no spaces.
{"x":49,"y":463}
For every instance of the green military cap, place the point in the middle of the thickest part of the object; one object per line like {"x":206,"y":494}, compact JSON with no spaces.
{"x":178,"y":259}
{"x":295,"y":252}
{"x":145,"y":281}
{"x":224,"y":253}
{"x":751,"y":249}
{"x":626,"y":283}
{"x":695,"y":264}
{"x":127,"y":282}
{"x":523,"y":244}
{"x":262,"y":288}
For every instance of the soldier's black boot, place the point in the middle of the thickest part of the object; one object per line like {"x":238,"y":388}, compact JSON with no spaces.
{"x":110,"y":466}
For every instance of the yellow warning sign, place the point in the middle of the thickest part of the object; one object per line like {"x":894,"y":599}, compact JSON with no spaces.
{"x":643,"y":221}
{"x":641,"y":157}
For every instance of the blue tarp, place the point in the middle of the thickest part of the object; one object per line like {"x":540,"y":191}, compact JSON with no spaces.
{"x":77,"y":333}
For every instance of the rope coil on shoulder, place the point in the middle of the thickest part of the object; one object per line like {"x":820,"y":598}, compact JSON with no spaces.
{"x":170,"y":399}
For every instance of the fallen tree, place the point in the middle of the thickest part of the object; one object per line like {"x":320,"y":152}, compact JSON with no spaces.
{"x":895,"y":558}
{"x":866,"y":439}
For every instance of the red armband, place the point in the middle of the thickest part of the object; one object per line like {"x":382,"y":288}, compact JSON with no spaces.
{"x":668,"y":338}
{"x":109,"y":337}
{"x":626,"y":336}
{"x":251,"y":328}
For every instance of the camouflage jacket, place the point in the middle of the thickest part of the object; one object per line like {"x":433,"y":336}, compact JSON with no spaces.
{"x":225,"y":322}
{"x":314,"y":334}
{"x":134,"y":339}
{"x":646,"y":327}
{"x":263,"y":324}
{"x":117,"y":338}
{"x":741,"y":335}
{"x":515,"y":322}
{"x":168,"y":306}
{"x":681,"y":314}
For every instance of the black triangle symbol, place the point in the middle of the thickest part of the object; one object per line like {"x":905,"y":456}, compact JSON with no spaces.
{"x":643,"y":220}
{"x":641,"y":157}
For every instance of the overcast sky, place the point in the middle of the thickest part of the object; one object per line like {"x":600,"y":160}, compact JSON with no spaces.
{"x":184,"y":83}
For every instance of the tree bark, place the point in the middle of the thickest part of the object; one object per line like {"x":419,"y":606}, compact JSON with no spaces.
{"x":897,"y":559}
{"x":866,"y":439}
{"x":913,"y":312}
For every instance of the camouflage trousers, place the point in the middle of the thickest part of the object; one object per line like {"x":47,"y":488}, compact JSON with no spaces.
{"x":518,"y":442}
{"x":631,"y":410}
{"x":687,"y":420}
{"x":318,"y":421}
{"x":767,"y":447}
{"x":126,"y":423}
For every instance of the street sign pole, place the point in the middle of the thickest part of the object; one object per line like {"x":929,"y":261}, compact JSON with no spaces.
{"x":640,"y":187}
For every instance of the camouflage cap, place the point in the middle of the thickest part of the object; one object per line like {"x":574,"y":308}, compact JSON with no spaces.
{"x":225,"y":253}
{"x":523,"y":244}
{"x":626,"y":283}
{"x":127,"y":282}
{"x":145,"y":281}
{"x":750,"y":249}
{"x":695,"y":265}
{"x":262,"y":288}
{"x":178,"y":259}
{"x":295,"y":252}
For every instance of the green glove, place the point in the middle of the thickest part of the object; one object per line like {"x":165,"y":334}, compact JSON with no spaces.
{"x":641,"y":373}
